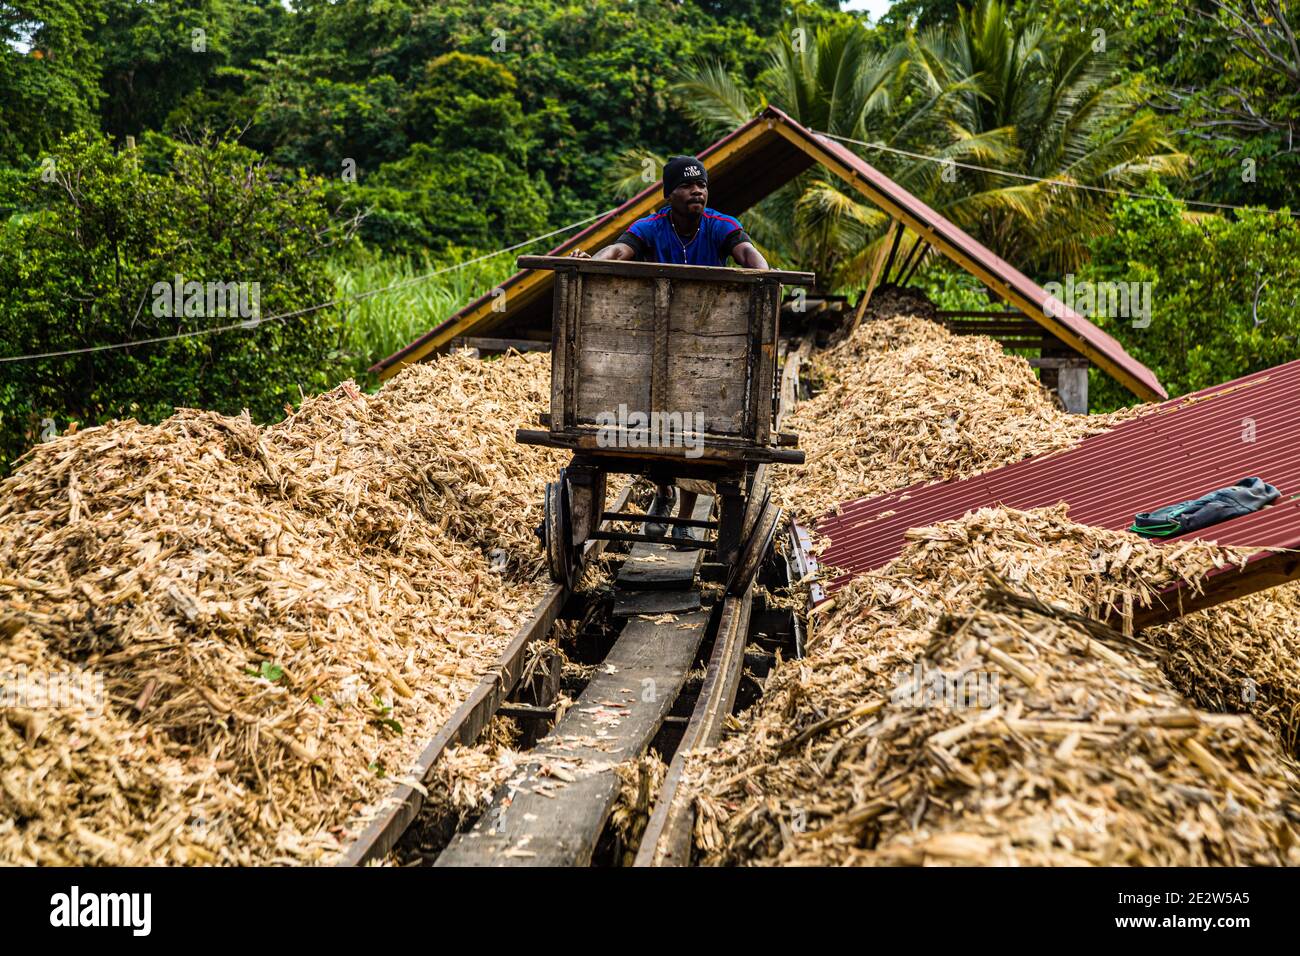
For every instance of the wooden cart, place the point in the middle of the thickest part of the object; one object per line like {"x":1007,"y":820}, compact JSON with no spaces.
{"x":667,"y":371}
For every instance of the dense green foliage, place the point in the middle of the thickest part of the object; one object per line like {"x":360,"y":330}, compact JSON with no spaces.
{"x":465,"y":180}
{"x":53,"y":88}
{"x":990,"y":89}
{"x":95,"y":264}
{"x":418,"y":292}
{"x":1225,"y":73}
{"x":369,"y":80}
{"x":1224,"y":292}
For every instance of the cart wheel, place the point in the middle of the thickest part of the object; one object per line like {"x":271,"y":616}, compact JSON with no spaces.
{"x":586,"y":501}
{"x":755,"y":548}
{"x":560,"y":552}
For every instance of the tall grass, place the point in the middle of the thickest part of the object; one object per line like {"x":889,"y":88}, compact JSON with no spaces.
{"x":381,"y":324}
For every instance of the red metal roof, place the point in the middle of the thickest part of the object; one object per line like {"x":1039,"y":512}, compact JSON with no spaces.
{"x":1179,"y":450}
{"x":754,"y":161}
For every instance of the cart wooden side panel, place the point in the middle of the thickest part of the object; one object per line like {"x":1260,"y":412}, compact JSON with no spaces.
{"x":657,"y":346}
{"x":617,"y":343}
{"x":709,"y":354}
{"x":695,"y":343}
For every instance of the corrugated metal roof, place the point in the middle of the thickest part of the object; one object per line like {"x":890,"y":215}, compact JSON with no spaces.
{"x":1178,"y":450}
{"x":749,"y":164}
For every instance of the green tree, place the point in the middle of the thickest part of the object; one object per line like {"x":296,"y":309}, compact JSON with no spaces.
{"x":465,"y":180}
{"x":468,"y":101}
{"x":990,"y":90}
{"x":1069,"y":114}
{"x":155,"y":53}
{"x":94,"y":266}
{"x":920,"y":15}
{"x":161,"y":55}
{"x":1223,"y":291}
{"x":1226,"y":73}
{"x":49,"y":74}
{"x":1233,"y":82}
{"x":314,"y":123}
{"x":432,"y":200}
{"x":593,"y":77}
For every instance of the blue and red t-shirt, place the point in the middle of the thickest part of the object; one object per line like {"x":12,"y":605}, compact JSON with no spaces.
{"x":655,"y":240}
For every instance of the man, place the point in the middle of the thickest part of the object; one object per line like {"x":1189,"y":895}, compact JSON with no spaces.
{"x":685,"y":232}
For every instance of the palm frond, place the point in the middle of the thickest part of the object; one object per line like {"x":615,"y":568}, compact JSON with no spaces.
{"x":712,"y":100}
{"x":632,"y":170}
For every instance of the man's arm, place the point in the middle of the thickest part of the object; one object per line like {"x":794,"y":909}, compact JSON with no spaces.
{"x":616,"y":250}
{"x":748,"y":257}
{"x":627,"y":248}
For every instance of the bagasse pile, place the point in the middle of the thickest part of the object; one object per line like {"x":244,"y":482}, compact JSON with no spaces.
{"x":1044,"y":741}
{"x":1241,"y":656}
{"x":948,"y":716}
{"x":903,"y":401}
{"x":281,"y":616}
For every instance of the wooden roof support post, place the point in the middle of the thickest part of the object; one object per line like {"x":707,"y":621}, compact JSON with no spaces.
{"x":1068,"y":380}
{"x":1072,"y":386}
{"x":903,"y":270}
{"x":915,"y":265}
{"x":897,"y":226}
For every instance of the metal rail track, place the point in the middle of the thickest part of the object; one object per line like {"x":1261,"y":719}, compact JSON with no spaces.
{"x":667,"y":837}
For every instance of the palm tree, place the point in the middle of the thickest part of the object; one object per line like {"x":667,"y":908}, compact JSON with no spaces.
{"x":835,"y":80}
{"x":1073,"y":120}
{"x":988,"y":91}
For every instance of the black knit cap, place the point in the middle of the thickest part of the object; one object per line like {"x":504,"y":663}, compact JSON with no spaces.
{"x":683,"y":169}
